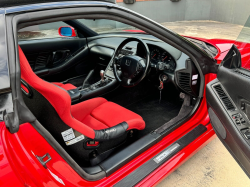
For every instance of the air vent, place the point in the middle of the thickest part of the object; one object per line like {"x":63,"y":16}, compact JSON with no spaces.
{"x":184,"y":81}
{"x":242,"y":73}
{"x":223,"y":96}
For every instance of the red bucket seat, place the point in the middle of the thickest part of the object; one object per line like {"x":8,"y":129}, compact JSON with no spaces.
{"x":97,"y":118}
{"x":66,"y":86}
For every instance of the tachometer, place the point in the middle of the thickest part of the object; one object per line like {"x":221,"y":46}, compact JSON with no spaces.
{"x":167,"y":59}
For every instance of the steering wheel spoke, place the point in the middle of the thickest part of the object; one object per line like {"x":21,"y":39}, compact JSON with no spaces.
{"x":126,"y":81}
{"x":118,"y":60}
{"x":143,"y":62}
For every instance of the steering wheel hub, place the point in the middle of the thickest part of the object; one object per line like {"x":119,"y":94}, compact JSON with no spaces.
{"x":130,"y":65}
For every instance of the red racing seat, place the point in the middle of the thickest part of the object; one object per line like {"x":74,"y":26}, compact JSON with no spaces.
{"x":97,"y":118}
{"x":66,"y":86}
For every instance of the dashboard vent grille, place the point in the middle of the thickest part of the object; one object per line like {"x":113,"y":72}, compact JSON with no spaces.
{"x":242,"y":73}
{"x":184,"y":81}
{"x":223,"y":96}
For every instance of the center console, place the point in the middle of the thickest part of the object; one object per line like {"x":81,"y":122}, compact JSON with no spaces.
{"x":106,"y":83}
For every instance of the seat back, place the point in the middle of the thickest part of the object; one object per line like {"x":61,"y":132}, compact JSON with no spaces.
{"x":56,"y":96}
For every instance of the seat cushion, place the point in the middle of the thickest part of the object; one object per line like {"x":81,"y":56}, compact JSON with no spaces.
{"x":98,"y":113}
{"x":112,"y":114}
{"x":66,"y":86}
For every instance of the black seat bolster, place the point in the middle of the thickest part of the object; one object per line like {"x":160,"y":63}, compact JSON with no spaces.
{"x":111,"y":133}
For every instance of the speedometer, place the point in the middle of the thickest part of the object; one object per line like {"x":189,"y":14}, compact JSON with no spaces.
{"x":155,"y":55}
{"x":168,"y":59}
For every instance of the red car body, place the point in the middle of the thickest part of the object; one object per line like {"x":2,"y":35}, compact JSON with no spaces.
{"x":20,"y":167}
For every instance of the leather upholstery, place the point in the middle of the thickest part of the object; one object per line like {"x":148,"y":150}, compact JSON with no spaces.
{"x":112,"y":132}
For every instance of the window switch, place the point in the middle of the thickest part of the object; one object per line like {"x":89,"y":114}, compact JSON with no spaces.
{"x":237,"y":121}
{"x":247,"y":134}
{"x":242,"y":120}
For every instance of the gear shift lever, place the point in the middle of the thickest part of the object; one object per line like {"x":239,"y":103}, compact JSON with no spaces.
{"x":102,"y":75}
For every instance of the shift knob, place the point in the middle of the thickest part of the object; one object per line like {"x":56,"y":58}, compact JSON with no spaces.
{"x":102,"y":75}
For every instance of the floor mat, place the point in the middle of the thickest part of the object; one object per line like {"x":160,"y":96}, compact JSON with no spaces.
{"x":155,"y":114}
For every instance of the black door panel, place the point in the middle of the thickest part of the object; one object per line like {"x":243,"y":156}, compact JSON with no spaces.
{"x":66,"y":65}
{"x":57,"y":59}
{"x":229,"y":117}
{"x":50,"y":44}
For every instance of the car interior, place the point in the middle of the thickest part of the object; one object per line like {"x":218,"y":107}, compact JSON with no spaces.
{"x":100,"y":94}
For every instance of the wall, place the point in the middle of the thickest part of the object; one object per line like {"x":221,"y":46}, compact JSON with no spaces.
{"x":160,"y":11}
{"x":230,"y":11}
{"x":168,"y":11}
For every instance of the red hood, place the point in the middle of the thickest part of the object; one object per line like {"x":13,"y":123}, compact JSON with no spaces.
{"x":140,"y":31}
{"x":223,"y":46}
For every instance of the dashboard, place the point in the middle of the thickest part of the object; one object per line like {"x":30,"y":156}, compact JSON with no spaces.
{"x":158,"y":56}
{"x":165,"y":59}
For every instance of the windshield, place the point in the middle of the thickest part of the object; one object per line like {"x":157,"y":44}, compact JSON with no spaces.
{"x":101,"y":26}
{"x":243,"y":44}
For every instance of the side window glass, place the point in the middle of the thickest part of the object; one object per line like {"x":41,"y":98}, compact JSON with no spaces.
{"x":102,"y":26}
{"x":42,"y":31}
{"x":243,"y":43}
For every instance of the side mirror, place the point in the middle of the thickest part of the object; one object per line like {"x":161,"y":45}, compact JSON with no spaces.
{"x":67,"y":31}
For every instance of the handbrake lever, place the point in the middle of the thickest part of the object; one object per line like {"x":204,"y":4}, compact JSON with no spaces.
{"x":86,"y":79}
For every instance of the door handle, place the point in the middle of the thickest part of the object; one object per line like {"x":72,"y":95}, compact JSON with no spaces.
{"x":58,"y":56}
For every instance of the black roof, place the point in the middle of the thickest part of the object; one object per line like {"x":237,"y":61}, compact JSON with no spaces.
{"x":10,"y":3}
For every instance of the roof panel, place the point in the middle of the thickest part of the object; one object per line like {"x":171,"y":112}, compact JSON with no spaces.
{"x":11,"y":3}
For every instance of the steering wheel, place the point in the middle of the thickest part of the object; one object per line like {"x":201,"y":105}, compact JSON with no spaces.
{"x":131,"y":65}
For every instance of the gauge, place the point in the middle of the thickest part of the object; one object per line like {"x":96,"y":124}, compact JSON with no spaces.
{"x":155,"y":55}
{"x":168,"y":59}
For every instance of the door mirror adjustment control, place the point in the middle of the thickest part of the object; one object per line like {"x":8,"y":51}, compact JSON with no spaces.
{"x":242,"y":107}
{"x":235,"y":116}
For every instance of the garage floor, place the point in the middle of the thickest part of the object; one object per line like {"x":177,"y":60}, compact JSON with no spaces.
{"x":213,"y":165}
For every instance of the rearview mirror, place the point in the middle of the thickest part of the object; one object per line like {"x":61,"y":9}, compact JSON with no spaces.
{"x":67,"y":31}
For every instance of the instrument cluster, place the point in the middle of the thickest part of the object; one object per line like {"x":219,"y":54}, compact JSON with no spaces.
{"x":158,"y":55}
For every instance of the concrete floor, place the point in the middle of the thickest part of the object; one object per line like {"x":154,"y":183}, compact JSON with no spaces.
{"x":205,"y":29}
{"x":212,"y":166}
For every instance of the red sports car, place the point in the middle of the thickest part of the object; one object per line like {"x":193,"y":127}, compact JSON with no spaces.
{"x":94,"y":94}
